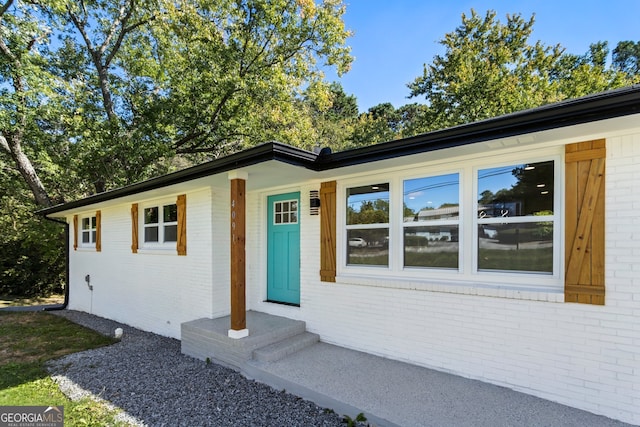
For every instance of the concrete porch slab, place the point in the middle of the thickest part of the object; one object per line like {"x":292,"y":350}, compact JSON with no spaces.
{"x":208,"y":338}
{"x":392,"y":393}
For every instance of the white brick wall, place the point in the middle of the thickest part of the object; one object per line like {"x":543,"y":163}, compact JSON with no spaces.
{"x":151,"y":291}
{"x":221,"y":292}
{"x":580,"y":355}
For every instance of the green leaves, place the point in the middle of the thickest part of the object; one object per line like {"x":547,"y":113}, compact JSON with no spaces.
{"x":99,"y":94}
{"x":490,"y":68}
{"x":233,"y":70}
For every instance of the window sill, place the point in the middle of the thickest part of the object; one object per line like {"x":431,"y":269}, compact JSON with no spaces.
{"x":86,"y":249}
{"x":545,"y":293}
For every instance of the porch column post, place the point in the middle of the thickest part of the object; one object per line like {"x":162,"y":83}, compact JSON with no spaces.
{"x":238,"y":260}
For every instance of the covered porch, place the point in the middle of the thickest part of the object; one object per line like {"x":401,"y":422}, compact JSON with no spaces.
{"x":243,"y":335}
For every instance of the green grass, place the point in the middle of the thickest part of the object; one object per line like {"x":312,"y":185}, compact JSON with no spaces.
{"x":29,"y":340}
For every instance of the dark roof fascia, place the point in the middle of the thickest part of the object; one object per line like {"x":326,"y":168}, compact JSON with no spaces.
{"x":258,"y":154}
{"x":601,"y":106}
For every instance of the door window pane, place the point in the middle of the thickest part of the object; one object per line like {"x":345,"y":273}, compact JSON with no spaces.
{"x":431,"y":246}
{"x":516,"y":247}
{"x":285,"y":212}
{"x":517,"y":190}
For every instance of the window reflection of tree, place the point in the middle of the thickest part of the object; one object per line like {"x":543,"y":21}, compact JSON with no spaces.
{"x":531,"y":193}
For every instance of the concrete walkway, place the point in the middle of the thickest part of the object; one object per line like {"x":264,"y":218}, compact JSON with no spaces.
{"x":392,"y":393}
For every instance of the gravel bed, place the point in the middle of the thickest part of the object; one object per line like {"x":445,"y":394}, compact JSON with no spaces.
{"x":147,"y":377}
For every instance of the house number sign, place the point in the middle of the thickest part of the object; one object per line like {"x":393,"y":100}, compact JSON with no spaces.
{"x":233,"y":220}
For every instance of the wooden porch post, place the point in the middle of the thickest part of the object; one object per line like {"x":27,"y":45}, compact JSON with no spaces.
{"x":238,"y":260}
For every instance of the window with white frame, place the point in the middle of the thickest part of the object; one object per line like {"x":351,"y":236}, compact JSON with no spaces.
{"x":431,"y":221}
{"x":160,"y":224}
{"x":88,"y":231}
{"x":516,"y":218}
{"x":492,"y":222}
{"x":368,"y":225}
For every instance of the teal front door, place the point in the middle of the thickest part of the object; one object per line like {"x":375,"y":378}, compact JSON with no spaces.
{"x":283,"y":248}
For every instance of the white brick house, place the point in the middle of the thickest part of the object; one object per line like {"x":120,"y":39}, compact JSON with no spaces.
{"x":536,"y":286}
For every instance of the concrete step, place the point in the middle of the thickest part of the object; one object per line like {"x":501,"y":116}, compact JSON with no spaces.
{"x":208,"y":338}
{"x":287,"y":346}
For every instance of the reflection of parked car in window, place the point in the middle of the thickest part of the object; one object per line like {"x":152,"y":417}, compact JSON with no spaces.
{"x":357,"y":242}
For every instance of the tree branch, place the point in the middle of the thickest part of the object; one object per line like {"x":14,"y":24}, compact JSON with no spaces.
{"x":212,"y":122}
{"x":197,"y":149}
{"x":5,"y":7}
{"x":188,"y":138}
{"x":221,"y":104}
{"x":7,"y":52}
{"x":80,"y":25}
{"x":123,"y":16}
{"x":121,"y":36}
{"x":4,"y":144}
{"x":96,"y":56}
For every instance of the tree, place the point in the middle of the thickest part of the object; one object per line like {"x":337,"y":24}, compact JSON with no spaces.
{"x":377,"y":125}
{"x":490,"y":68}
{"x":95,"y":95}
{"x":579,"y":75}
{"x":626,"y":57}
{"x":25,"y":87}
{"x":64,"y":101}
{"x":413,"y":119}
{"x":117,"y":108}
{"x":383,"y":122}
{"x":135,"y":81}
{"x":332,"y":114}
{"x":235,"y":69}
{"x":31,"y":262}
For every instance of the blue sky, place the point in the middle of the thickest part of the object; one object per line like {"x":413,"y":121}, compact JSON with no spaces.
{"x":393,"y":39}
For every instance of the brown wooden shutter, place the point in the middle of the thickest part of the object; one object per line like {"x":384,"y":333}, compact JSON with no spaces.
{"x":584,"y":222}
{"x":134,"y":228}
{"x":75,"y":232}
{"x":328,"y":231}
{"x":98,"y":231}
{"x":181,"y":244}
